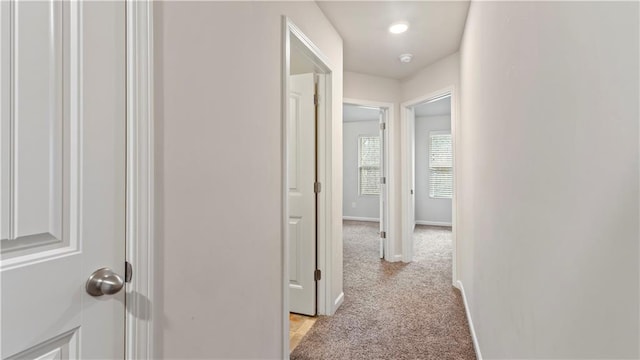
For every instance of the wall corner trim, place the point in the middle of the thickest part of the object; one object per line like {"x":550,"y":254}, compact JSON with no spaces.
{"x":336,"y":304}
{"x":476,"y":345}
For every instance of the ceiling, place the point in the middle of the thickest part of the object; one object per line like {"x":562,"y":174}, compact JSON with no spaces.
{"x":351,"y":113}
{"x":436,"y":108}
{"x":435,"y":31}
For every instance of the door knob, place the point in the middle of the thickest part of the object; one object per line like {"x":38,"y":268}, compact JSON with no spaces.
{"x":104,"y":282}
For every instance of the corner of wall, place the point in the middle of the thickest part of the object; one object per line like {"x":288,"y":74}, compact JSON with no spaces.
{"x":438,"y":75}
{"x":337,"y":302}
{"x":476,"y":344}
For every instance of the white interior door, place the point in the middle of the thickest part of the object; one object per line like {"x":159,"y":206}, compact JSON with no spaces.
{"x":63,"y":178}
{"x":301,"y":140}
{"x":383,"y":183}
{"x":411,"y":118}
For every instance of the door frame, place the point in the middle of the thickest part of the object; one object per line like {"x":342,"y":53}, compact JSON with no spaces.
{"x":324,"y":254}
{"x":405,"y":184}
{"x":139,"y":328}
{"x":140,"y":187}
{"x":389,"y":248}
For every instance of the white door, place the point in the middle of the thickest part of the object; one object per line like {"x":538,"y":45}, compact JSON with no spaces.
{"x":63,"y":178}
{"x":301,"y":140}
{"x":411,"y":121}
{"x":383,"y":183}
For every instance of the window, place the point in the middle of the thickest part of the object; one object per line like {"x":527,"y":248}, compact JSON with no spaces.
{"x":440,"y":165}
{"x":369,"y":165}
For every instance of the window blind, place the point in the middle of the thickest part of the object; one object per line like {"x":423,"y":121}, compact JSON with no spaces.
{"x":369,"y":165}
{"x":440,"y":165}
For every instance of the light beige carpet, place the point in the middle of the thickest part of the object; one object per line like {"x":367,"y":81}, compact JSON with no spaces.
{"x":393,"y":310}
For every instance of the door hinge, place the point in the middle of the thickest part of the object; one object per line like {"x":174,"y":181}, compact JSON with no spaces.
{"x":383,"y":126}
{"x":316,"y":100}
{"x":383,"y":180}
{"x":317,"y":275}
{"x":383,"y":234}
{"x":317,"y":187}
{"x":411,"y":191}
{"x":128,"y":271}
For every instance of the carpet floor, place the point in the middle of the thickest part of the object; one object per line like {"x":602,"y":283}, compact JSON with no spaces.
{"x":393,"y":310}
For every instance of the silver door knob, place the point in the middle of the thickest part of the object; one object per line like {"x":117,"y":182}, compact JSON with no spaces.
{"x":104,"y":282}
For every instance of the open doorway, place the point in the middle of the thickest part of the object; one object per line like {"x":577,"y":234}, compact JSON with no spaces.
{"x":365,"y":168}
{"x":433,"y":154}
{"x":307,"y":109}
{"x":428,"y":169}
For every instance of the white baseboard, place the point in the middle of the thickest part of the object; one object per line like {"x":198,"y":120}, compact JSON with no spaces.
{"x":338,"y":302}
{"x":397,"y":258}
{"x":357,"y":218}
{"x":476,"y":345}
{"x":432,"y":223}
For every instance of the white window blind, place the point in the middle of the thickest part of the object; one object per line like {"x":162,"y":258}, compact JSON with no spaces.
{"x":369,"y":165}
{"x":440,"y":165}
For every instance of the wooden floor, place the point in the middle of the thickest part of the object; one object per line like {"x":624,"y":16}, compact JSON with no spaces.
{"x":299,"y":326}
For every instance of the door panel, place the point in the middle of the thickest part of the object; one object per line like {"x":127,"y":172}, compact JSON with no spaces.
{"x":65,"y":346}
{"x":301,"y":139}
{"x":295,"y":236}
{"x":32,"y":151}
{"x":63,"y":177}
{"x":38,"y":36}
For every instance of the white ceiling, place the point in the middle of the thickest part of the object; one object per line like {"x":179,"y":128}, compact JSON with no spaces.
{"x":351,"y":113}
{"x":435,"y":31}
{"x":436,"y":108}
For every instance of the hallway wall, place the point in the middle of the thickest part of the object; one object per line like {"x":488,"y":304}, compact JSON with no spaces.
{"x":219,"y":275}
{"x":369,"y":87}
{"x":437,"y":76}
{"x":550,"y":178}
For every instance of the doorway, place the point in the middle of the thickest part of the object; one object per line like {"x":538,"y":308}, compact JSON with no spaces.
{"x":365,"y":166}
{"x":433,"y":164}
{"x":307,"y":99}
{"x":428,"y":169}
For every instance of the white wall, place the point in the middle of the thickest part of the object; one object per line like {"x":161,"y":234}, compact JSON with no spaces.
{"x":219,"y":281}
{"x":354,"y":204}
{"x":437,"y":76}
{"x":428,"y":209}
{"x":550,"y":178}
{"x":373,"y":88}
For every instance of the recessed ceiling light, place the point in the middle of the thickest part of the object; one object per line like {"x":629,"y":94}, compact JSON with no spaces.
{"x":399,"y":27}
{"x":405,"y":58}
